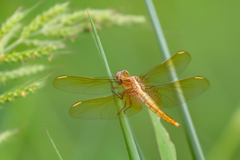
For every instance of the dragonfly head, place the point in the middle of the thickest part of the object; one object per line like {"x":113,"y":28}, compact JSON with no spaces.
{"x":121,"y":74}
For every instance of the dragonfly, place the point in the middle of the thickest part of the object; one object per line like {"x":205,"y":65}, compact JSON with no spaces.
{"x":154,"y":88}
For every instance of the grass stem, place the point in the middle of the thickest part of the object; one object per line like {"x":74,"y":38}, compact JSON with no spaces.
{"x":166,"y":54}
{"x":13,"y":45}
{"x":126,"y":129}
{"x":53,"y":143}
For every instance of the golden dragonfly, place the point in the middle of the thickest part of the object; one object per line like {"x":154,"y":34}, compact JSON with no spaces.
{"x":153,"y":88}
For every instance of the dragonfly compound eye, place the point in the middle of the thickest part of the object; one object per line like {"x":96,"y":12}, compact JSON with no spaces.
{"x":117,"y":75}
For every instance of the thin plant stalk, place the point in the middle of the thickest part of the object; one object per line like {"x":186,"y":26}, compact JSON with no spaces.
{"x":126,"y":129}
{"x":7,"y":134}
{"x":18,"y":41}
{"x":228,"y":142}
{"x":53,"y":143}
{"x":166,"y":54}
{"x":166,"y":147}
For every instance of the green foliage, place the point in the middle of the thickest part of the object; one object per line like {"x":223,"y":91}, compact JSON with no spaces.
{"x":43,"y":18}
{"x":207,"y":29}
{"x":195,"y":144}
{"x":20,"y":72}
{"x":55,"y":23}
{"x":7,"y":134}
{"x":11,"y":22}
{"x":43,"y":37}
{"x":21,"y":92}
{"x":131,"y":146}
{"x":28,"y":54}
{"x":229,"y":140}
{"x":60,"y":157}
{"x":166,"y":148}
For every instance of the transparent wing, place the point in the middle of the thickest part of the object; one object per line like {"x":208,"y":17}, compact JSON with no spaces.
{"x":167,"y":95}
{"x":84,"y":85}
{"x":104,"y":108}
{"x":160,"y":73}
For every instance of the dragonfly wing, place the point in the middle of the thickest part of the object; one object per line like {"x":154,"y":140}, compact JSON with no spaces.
{"x":83,"y":85}
{"x":175,"y":93}
{"x":160,"y":73}
{"x":104,"y":108}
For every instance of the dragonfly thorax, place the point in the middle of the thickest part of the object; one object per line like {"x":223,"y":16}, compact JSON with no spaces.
{"x":129,"y":82}
{"x":132,"y":82}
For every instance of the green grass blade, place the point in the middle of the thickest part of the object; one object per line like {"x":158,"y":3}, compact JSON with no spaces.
{"x":166,"y":54}
{"x":166,"y":148}
{"x":53,"y":143}
{"x":228,"y":141}
{"x":4,"y":136}
{"x":126,"y":129}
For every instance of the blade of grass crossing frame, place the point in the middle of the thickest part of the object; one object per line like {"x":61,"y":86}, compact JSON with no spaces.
{"x":166,"y":54}
{"x":53,"y":143}
{"x":228,"y":142}
{"x":126,"y":129}
{"x":165,"y":145}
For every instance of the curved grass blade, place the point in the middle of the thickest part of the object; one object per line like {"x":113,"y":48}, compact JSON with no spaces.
{"x":126,"y":129}
{"x":166,"y":148}
{"x":53,"y":143}
{"x":166,"y":54}
{"x":228,"y":141}
{"x":4,"y":136}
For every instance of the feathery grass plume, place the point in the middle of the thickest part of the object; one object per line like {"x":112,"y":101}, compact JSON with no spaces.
{"x":7,"y":134}
{"x":40,"y":43}
{"x":44,"y":17}
{"x":56,"y":21}
{"x":22,"y":92}
{"x":28,"y":55}
{"x":69,"y":25}
{"x":8,"y":36}
{"x":11,"y":22}
{"x":111,"y":17}
{"x":17,"y":16}
{"x":20,"y":72}
{"x":107,"y":17}
{"x":64,"y":32}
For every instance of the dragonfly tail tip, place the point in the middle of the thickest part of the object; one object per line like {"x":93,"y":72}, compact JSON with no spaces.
{"x":176,"y":124}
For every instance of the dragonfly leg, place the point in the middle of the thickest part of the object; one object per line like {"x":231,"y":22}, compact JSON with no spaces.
{"x":117,"y":87}
{"x":120,"y":96}
{"x":130,"y":100}
{"x":124,"y":106}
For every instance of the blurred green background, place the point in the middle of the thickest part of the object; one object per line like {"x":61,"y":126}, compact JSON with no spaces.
{"x":208,"y":30}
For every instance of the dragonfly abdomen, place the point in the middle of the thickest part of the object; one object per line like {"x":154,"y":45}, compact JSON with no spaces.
{"x":147,"y":100}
